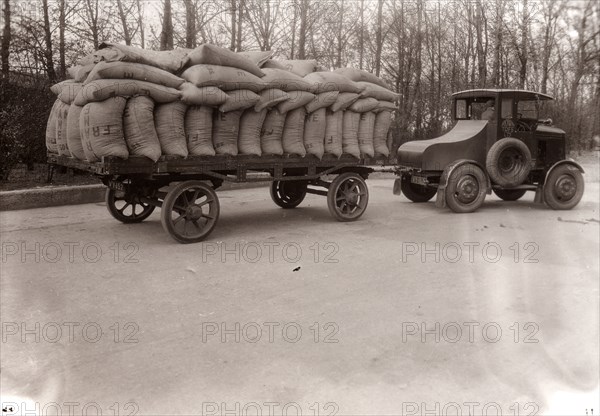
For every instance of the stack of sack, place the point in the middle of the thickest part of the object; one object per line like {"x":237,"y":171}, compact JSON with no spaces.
{"x":124,"y":101}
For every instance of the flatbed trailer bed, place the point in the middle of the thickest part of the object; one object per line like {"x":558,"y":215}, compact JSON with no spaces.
{"x":190,"y":209}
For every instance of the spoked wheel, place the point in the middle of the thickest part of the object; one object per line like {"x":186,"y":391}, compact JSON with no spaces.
{"x":510,"y":194}
{"x":347,"y":197}
{"x":288,"y":194}
{"x":415,"y":192}
{"x":564,"y":187}
{"x":127,"y":208}
{"x":466,"y":188}
{"x":190,"y":211}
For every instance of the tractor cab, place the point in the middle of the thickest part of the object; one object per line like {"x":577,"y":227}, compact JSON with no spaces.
{"x":505,"y":142}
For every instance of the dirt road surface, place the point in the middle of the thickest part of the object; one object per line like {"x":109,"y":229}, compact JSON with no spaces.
{"x":409,"y":310}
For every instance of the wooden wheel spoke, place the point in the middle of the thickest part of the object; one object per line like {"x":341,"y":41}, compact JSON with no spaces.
{"x":208,"y":201}
{"x":176,"y":220}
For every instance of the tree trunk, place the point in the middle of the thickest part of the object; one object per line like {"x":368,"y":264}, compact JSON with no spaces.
{"x":303,"y":27}
{"x":190,"y":24}
{"x":123,"y":17}
{"x":48,"y":41}
{"x":340,"y":35}
{"x":379,"y":38}
{"x":166,"y":36}
{"x":498,"y":42}
{"x":62,"y":25}
{"x":523,"y":57}
{"x":239,"y":25}
{"x":6,"y":37}
{"x":141,"y":24}
{"x":233,"y":14}
{"x":481,"y":56}
{"x":361,"y":35}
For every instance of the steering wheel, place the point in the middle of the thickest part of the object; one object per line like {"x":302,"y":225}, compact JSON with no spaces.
{"x":520,"y":125}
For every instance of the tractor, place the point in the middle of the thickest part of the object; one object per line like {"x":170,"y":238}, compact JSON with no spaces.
{"x":499,"y":144}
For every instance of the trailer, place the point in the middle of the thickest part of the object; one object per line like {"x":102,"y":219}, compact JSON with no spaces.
{"x":184,"y":189}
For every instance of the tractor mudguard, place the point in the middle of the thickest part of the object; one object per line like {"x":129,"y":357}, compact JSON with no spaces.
{"x":539,"y":192}
{"x":440,"y":201}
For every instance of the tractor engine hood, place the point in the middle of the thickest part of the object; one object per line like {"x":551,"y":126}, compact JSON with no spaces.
{"x":466,"y":140}
{"x":543,"y":131}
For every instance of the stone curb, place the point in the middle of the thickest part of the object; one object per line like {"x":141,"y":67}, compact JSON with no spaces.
{"x":53,"y":196}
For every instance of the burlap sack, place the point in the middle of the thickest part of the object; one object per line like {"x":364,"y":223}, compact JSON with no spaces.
{"x":103,"y":89}
{"x":225,"y":77}
{"x":51,"y":128}
{"x":138,"y":125}
{"x":330,"y":81}
{"x":79,"y":73}
{"x":169,"y":121}
{"x":333,"y":133}
{"x":366,"y":128}
{"x":226,"y":127}
{"x":323,"y":100}
{"x":69,"y":92}
{"x":383,"y":121}
{"x":298,"y":67}
{"x":74,"y":142}
{"x":297,"y":99}
{"x":350,"y":125}
{"x":314,"y":132}
{"x":198,"y":131}
{"x":192,"y":95}
{"x":62,"y":111}
{"x":239,"y":100}
{"x":251,"y":125}
{"x":269,"y":98}
{"x":271,"y":134}
{"x":58,"y":87}
{"x":172,"y":61}
{"x":214,"y":55}
{"x":286,"y":81}
{"x":101,"y":125}
{"x":257,"y":57}
{"x":363,"y":105}
{"x":128,"y":70}
{"x":293,"y":132}
{"x":359,"y":75}
{"x":344,"y":100}
{"x":378,"y":92}
{"x":385,"y":106}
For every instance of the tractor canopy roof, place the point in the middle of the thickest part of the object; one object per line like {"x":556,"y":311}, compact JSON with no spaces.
{"x":517,"y":94}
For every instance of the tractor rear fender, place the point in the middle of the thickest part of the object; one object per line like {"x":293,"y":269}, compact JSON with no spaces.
{"x":440,"y":200}
{"x":539,"y":194}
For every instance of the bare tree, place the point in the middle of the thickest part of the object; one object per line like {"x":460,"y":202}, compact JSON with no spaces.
{"x":47,"y":55}
{"x":166,"y":35}
{"x":6,"y":37}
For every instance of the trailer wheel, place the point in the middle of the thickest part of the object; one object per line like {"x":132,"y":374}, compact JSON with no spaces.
{"x":128,"y":210}
{"x":508,"y":162}
{"x":564,"y":187}
{"x":510,"y":194}
{"x":466,"y":188}
{"x":288,"y":194}
{"x":414,"y":192}
{"x":190,"y":211}
{"x":347,"y":197}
